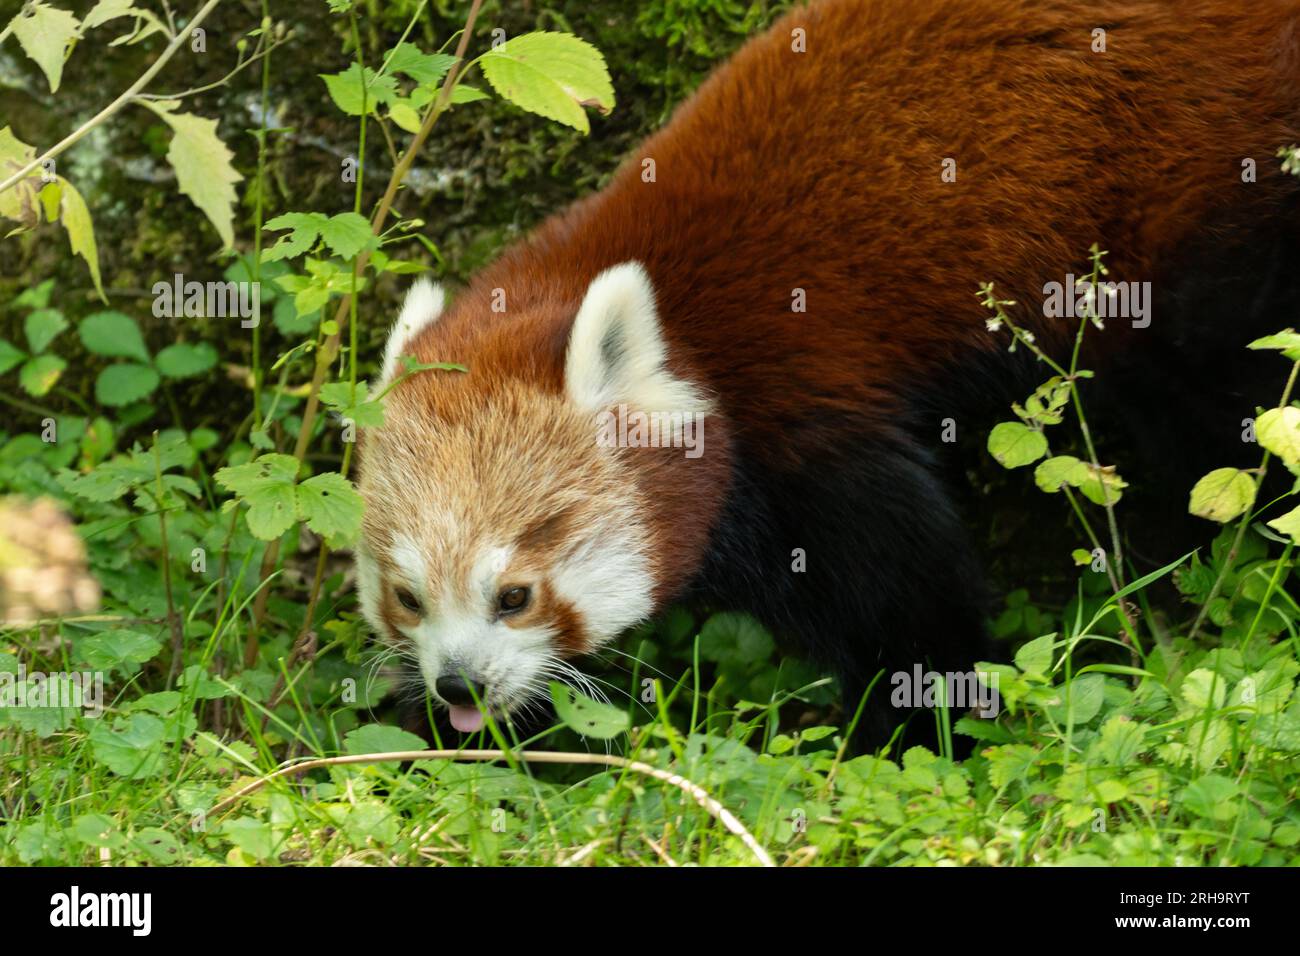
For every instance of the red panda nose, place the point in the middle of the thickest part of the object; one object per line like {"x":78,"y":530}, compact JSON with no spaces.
{"x":454,"y":689}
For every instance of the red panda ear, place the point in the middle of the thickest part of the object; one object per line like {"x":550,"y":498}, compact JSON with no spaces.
{"x":422,"y":307}
{"x":617,"y":353}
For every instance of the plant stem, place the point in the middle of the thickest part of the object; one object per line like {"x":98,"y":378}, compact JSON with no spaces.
{"x":326,"y":354}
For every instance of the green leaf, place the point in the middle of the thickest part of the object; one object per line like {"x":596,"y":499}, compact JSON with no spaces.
{"x":1014,"y":444}
{"x":266,"y":486}
{"x":1052,"y":474}
{"x":381,"y":739}
{"x":133,"y":748}
{"x":203,"y":165}
{"x":123,"y":384}
{"x":75,"y":216}
{"x":95,"y":829}
{"x":1287,"y":342}
{"x":331,"y":507}
{"x":1288,"y":524}
{"x":118,"y":648}
{"x":1212,"y":797}
{"x":38,"y":375}
{"x":1222,"y":495}
{"x":551,"y":74}
{"x":421,"y":67}
{"x":1278,"y":430}
{"x":42,"y":326}
{"x":1035,"y":657}
{"x":405,"y":116}
{"x":9,"y":356}
{"x":184,"y":360}
{"x":346,"y":234}
{"x":346,"y":89}
{"x":588,"y":717}
{"x":44,"y":32}
{"x":464,"y":93}
{"x":113,"y":334}
{"x":732,"y":638}
{"x":1203,"y":688}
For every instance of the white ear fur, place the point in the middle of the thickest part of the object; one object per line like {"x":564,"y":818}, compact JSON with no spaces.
{"x":421,"y":308}
{"x":617,"y":351}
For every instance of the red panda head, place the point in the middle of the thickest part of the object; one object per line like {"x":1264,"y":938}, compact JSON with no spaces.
{"x":502,"y":536}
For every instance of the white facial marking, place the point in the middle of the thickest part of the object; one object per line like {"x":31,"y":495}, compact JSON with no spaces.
{"x":422,"y":308}
{"x":608,"y":580}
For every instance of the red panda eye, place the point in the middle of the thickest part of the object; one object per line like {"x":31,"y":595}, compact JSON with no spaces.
{"x":512,"y":600}
{"x":407,"y":600}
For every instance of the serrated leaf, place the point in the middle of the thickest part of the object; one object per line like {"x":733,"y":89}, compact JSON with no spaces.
{"x":266,"y":486}
{"x":1222,"y":495}
{"x":1278,"y":430}
{"x":421,"y":67}
{"x":1013,"y":444}
{"x":1287,"y":342}
{"x":184,"y":359}
{"x":203,"y":165}
{"x":38,"y":375}
{"x":590,"y":718}
{"x":331,"y":507}
{"x":346,"y":234}
{"x":551,"y":74}
{"x":42,"y":326}
{"x":44,"y":32}
{"x":77,"y":223}
{"x":347,"y":91}
{"x":123,"y":384}
{"x":113,"y":334}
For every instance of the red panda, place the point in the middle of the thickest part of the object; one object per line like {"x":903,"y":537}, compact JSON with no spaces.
{"x":785,"y":277}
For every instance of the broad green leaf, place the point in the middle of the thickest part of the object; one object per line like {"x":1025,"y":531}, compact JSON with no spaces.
{"x":1204,"y":688}
{"x":1222,"y":495}
{"x":266,"y":486}
{"x":42,"y":326}
{"x":202,"y":163}
{"x":1052,"y":474}
{"x":44,"y":32}
{"x":38,"y":375}
{"x":113,"y":334}
{"x":1212,"y":797}
{"x":732,"y":638}
{"x":554,"y":75}
{"x":123,"y":384}
{"x":421,"y":67}
{"x":331,"y":507}
{"x":1278,"y":430}
{"x":1035,"y":657}
{"x":405,"y":116}
{"x":132,"y":748}
{"x":75,"y":217}
{"x":588,"y":717}
{"x":305,"y":228}
{"x":464,"y":93}
{"x":1014,"y":444}
{"x":184,"y":359}
{"x":346,"y":89}
{"x":37,"y":296}
{"x":118,"y":648}
{"x":95,"y":829}
{"x":381,"y":739}
{"x":1101,"y":485}
{"x":346,"y":234}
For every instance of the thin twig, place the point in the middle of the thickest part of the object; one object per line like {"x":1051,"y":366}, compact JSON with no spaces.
{"x":698,"y":793}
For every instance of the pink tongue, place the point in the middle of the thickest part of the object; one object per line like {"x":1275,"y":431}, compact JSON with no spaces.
{"x":466,"y":719}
